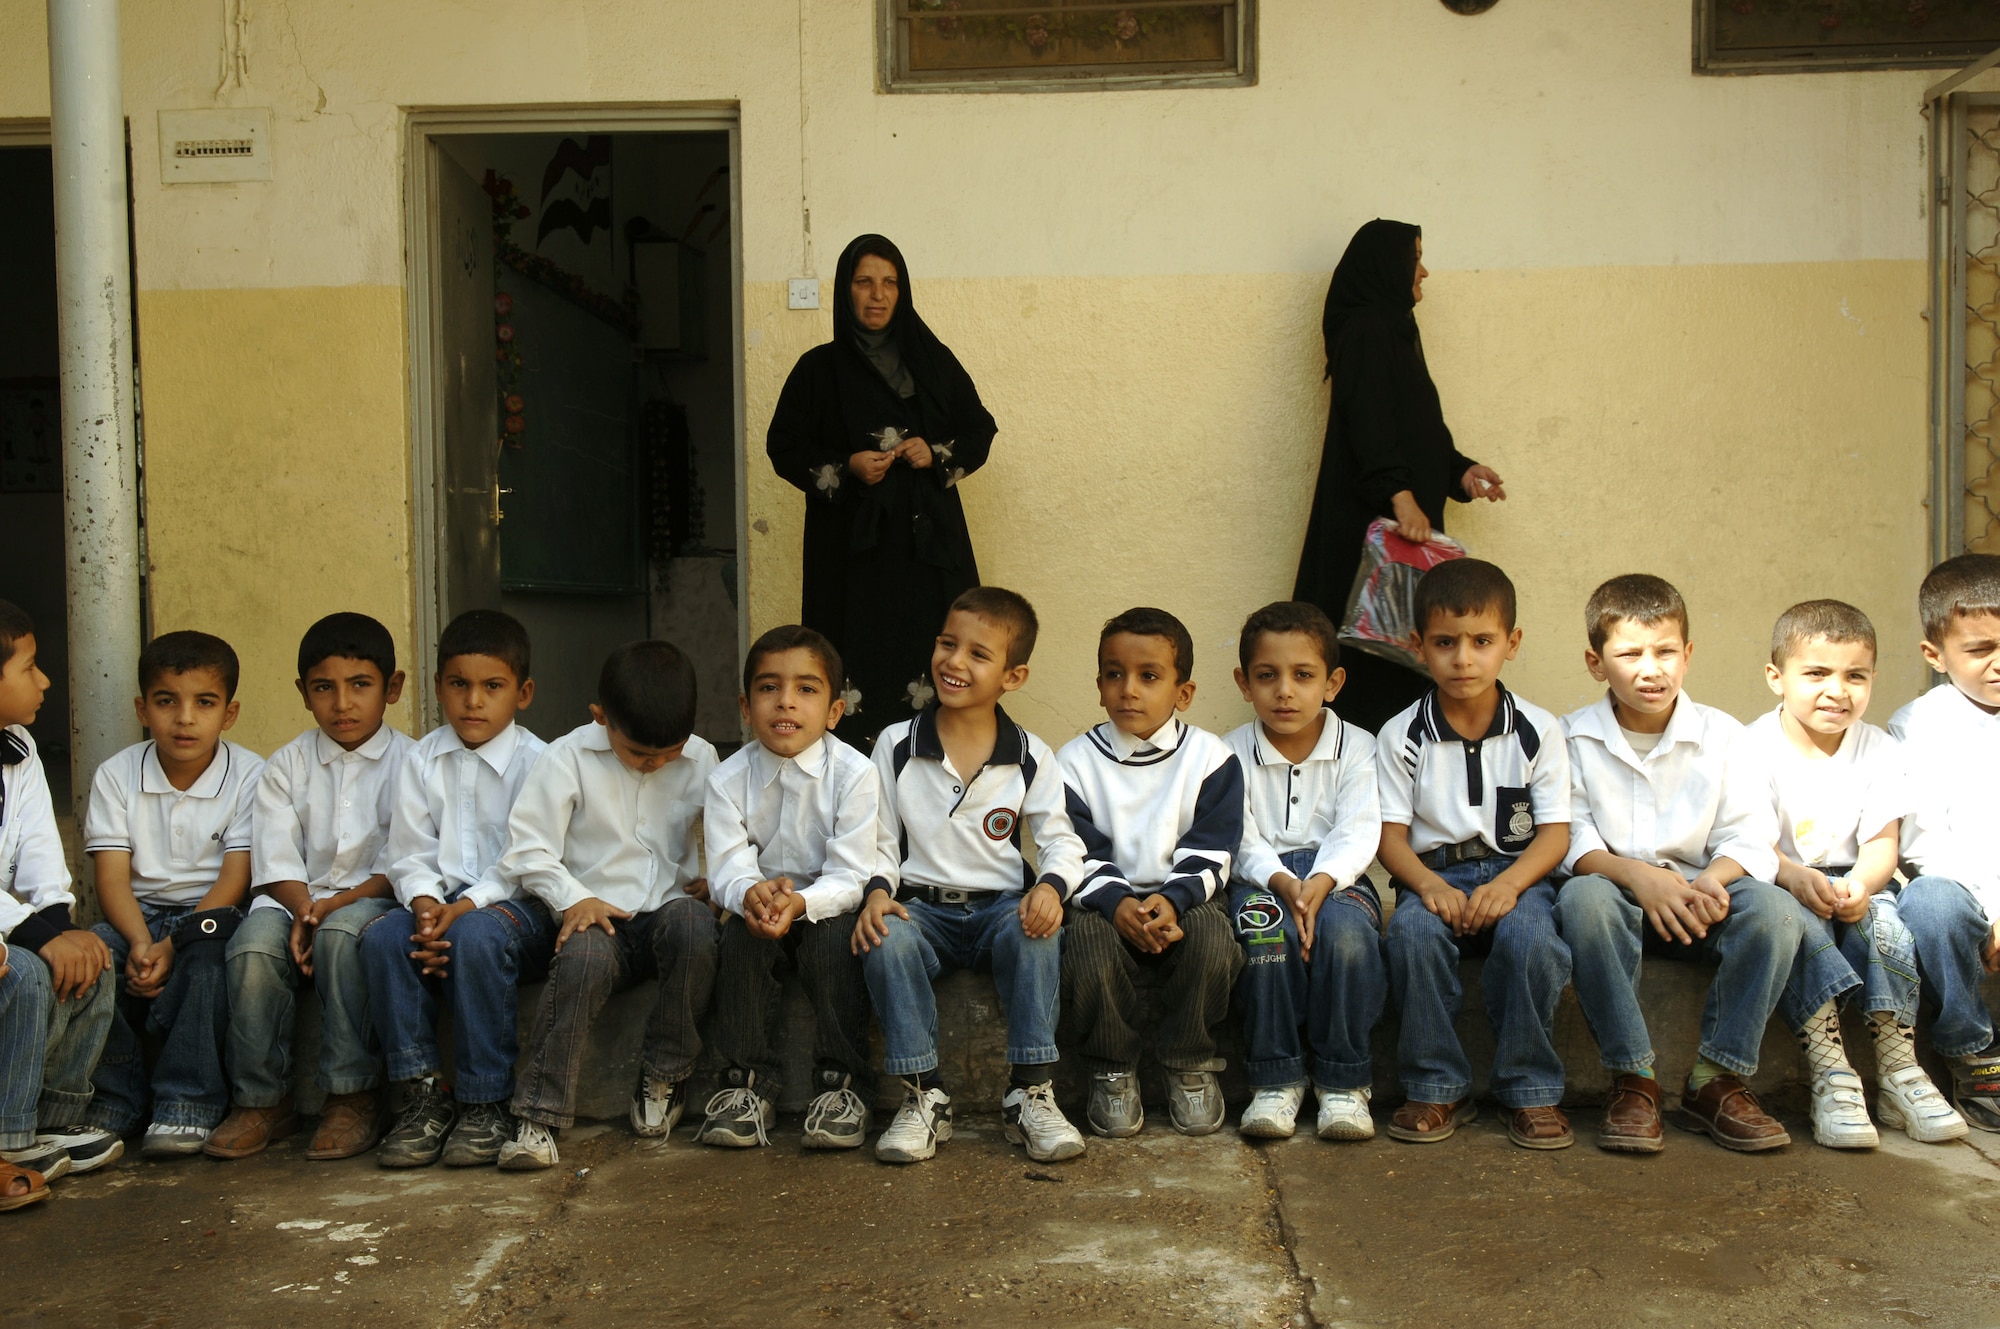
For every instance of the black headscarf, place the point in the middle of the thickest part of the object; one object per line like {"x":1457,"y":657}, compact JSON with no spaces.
{"x":1378,"y":273}
{"x":906,"y":344}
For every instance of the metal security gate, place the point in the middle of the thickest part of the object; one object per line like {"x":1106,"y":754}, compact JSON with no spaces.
{"x":1965,"y":324}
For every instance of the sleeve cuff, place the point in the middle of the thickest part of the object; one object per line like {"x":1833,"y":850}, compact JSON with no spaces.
{"x":38,"y":930}
{"x":1106,"y":898}
{"x":1056,"y":883}
{"x":1184,"y":893}
{"x":878,"y":884}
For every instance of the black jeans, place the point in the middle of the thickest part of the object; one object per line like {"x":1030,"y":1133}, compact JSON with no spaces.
{"x":749,"y":997}
{"x":1101,"y":1006}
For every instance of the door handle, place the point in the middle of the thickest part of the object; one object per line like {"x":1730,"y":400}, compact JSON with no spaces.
{"x":498,"y":515}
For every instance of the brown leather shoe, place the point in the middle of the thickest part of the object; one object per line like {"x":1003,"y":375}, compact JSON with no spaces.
{"x":1540,"y":1128}
{"x":1427,"y":1123}
{"x":349,"y":1124}
{"x":1727,"y":1112}
{"x":247,"y":1130}
{"x":1632,"y":1117}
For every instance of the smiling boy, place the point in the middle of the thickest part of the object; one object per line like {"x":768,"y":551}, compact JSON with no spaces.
{"x":1475,"y":816}
{"x":954,"y":889}
{"x":168,"y":832}
{"x":319,"y":863}
{"x":1159,"y":806}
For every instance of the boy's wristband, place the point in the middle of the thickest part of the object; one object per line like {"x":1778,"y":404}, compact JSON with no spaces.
{"x":876,"y":884}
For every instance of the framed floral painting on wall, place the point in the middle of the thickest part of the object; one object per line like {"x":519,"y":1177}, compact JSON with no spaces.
{"x":1795,"y":36}
{"x":957,"y":45}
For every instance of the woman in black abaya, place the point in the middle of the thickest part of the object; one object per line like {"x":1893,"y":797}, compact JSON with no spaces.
{"x":876,"y":428}
{"x":1388,"y":453}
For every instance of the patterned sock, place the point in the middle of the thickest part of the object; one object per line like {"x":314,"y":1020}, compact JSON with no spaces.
{"x":1704,"y":1071}
{"x":1895,"y":1043}
{"x":1821,"y":1041}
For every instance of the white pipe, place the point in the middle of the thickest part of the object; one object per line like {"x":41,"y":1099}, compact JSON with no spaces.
{"x":94,"y":334}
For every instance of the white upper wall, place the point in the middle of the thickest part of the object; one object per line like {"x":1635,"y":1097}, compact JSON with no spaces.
{"x":1545,"y":133}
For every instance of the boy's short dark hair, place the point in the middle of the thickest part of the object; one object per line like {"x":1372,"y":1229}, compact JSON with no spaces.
{"x":1007,"y":609}
{"x":1834,"y":620}
{"x":793,"y":637}
{"x":1968,"y":584}
{"x":185,"y":652}
{"x":1299,"y":616}
{"x":1145,"y":622}
{"x":348,"y":636}
{"x":1465,"y":586}
{"x":1638,"y":596}
{"x":486,"y":632}
{"x":14,"y":625}
{"x":647,"y":692}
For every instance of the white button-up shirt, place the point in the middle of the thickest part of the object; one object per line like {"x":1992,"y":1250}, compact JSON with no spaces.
{"x":1695,"y":798}
{"x":177,"y":838}
{"x":1951,"y":753}
{"x":1828,"y":806}
{"x":586,"y":825}
{"x":813,"y":818}
{"x":1326,"y":803}
{"x":34,"y":871}
{"x":322,"y":813}
{"x":448,"y":825}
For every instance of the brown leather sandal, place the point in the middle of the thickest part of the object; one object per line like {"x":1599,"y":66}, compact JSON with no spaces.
{"x":1426,"y":1123}
{"x":20,"y":1186}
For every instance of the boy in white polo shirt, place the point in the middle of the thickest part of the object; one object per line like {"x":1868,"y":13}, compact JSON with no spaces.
{"x":1475,"y":816}
{"x":168,"y":833}
{"x":792,"y":824}
{"x":1159,"y":805}
{"x":460,"y":933}
{"x":603,"y":835}
{"x":1304,"y":909}
{"x":1840,"y":792}
{"x":954,"y":891}
{"x":319,"y":864}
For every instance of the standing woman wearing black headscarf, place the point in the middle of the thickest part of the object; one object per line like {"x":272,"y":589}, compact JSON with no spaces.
{"x":876,"y":428}
{"x":1388,"y":453}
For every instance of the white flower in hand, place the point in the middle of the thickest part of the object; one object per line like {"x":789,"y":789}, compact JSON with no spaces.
{"x":921,"y":693}
{"x":942,"y":451}
{"x":852,"y":696}
{"x":888,"y":439}
{"x":827,"y":478}
{"x":951,"y":480}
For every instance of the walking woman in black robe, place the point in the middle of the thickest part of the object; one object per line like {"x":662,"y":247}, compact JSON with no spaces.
{"x":876,"y":428}
{"x":1388,"y":453}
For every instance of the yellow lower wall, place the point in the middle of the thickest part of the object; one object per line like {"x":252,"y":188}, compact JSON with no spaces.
{"x":1755,"y":433}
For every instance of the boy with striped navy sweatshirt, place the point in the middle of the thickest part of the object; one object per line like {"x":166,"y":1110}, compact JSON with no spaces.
{"x":1159,"y":806}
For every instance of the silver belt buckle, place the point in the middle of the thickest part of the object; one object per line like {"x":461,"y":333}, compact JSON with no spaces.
{"x":953,"y":895}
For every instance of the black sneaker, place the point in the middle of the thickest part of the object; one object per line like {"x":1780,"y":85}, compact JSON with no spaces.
{"x":482,"y":1129}
{"x":417,"y":1138}
{"x":737,"y":1116}
{"x":1976,"y":1088}
{"x":88,"y":1147}
{"x":51,"y":1160}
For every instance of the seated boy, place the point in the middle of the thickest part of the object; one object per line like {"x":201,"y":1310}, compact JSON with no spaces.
{"x":954,"y":891}
{"x":169,"y":834}
{"x":461,"y":934}
{"x":1671,"y":849}
{"x":1951,"y":749}
{"x":319,"y":860}
{"x":1840,"y":794}
{"x":602,"y":833}
{"x":1159,"y":805}
{"x":1304,"y":910}
{"x":57,"y":987}
{"x":1475,"y":816}
{"x":791,"y":824}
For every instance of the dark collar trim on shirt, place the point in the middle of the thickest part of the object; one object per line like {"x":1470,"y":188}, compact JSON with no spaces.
{"x":1009,"y":747}
{"x":1103,"y":745}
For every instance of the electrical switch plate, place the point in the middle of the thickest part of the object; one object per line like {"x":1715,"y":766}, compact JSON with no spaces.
{"x":210,"y":146}
{"x":803,"y":293}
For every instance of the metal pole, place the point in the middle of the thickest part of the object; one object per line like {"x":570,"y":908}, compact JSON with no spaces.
{"x":94,"y":324}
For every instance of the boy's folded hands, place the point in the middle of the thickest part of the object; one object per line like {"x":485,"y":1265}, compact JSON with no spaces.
{"x":1811,"y":888}
{"x":770,"y":906}
{"x":434,"y":918}
{"x":1487,"y":905}
{"x":75,"y":959}
{"x":1151,"y":924}
{"x":147,"y":967}
{"x":1305,"y":898}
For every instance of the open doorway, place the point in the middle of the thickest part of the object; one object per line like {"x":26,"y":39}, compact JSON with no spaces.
{"x":583,"y":398}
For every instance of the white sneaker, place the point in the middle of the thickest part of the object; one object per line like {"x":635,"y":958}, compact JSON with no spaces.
{"x":1909,"y":1101}
{"x":163,"y":1141}
{"x":1344,"y":1114}
{"x":1273,"y":1114}
{"x":1033,"y":1119}
{"x":88,"y":1147}
{"x":1194,"y":1101}
{"x":921,"y":1124}
{"x":1839,"y":1117}
{"x":532,"y":1148}
{"x":657,"y":1105}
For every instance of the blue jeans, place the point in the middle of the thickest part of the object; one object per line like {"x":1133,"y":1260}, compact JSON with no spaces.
{"x":493,"y":950}
{"x":1337,"y":997}
{"x":1950,"y":929}
{"x":189,"y":1085}
{"x":1882,"y":954}
{"x":1527,"y":967}
{"x":263,"y":1004}
{"x":985,"y":936}
{"x":47,"y":1047}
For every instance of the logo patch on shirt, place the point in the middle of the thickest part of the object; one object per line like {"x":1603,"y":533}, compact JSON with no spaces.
{"x":999,"y":823}
{"x":1514,"y":820}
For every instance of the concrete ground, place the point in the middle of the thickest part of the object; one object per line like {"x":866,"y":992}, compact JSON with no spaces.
{"x":1152,"y":1231}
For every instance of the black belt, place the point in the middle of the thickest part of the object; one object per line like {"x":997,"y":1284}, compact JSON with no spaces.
{"x":1465,"y":851}
{"x":942,"y":895}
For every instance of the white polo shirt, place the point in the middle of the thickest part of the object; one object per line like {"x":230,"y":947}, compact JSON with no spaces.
{"x":939,"y":828}
{"x":34,"y":871}
{"x":322,"y":813}
{"x":815,"y":818}
{"x":1951,"y":752}
{"x":1499,"y":788}
{"x":1829,"y":806}
{"x":1680,"y":806}
{"x":1327,"y":803}
{"x":448,"y":823}
{"x":587,"y":825}
{"x":177,"y":838}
